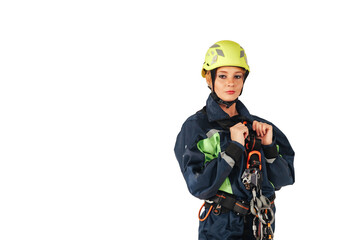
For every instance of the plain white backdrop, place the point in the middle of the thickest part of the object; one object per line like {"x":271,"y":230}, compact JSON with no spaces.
{"x":93,"y":95}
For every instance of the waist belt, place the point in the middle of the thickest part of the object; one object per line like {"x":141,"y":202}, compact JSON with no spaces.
{"x":223,"y":202}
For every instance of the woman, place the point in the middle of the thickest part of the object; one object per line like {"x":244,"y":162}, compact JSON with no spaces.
{"x":231,"y":159}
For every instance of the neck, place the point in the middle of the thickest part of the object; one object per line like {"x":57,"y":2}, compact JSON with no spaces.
{"x":231,"y":111}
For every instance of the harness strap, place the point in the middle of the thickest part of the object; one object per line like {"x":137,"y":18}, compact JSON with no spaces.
{"x":229,"y":202}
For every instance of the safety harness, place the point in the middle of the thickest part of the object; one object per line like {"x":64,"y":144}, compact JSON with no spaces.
{"x":260,"y":206}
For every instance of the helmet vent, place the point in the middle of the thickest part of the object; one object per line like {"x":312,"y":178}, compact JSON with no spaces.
{"x":215,"y":46}
{"x":220,"y":52}
{"x":242,"y":54}
{"x":214,"y":59}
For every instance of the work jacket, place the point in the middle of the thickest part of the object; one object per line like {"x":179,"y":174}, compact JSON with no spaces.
{"x":202,"y":150}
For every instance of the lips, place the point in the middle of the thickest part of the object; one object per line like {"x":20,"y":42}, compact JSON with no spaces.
{"x":230,"y":92}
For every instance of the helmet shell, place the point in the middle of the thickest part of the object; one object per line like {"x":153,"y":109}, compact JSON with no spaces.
{"x":225,"y":53}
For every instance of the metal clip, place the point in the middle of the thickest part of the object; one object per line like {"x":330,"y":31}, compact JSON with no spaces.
{"x":217,"y":210}
{"x":246,"y":178}
{"x":260,"y":207}
{"x":251,"y":178}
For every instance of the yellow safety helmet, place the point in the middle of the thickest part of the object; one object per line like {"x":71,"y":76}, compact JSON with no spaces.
{"x":225,"y":53}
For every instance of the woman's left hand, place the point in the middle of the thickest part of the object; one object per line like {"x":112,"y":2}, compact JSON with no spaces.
{"x":264,"y":132}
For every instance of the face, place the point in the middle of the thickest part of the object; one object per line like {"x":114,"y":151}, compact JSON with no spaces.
{"x":228,"y":82}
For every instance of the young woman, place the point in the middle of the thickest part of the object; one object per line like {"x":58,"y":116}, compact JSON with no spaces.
{"x":230,"y":158}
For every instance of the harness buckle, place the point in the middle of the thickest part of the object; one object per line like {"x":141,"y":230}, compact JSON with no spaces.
{"x":217,"y":210}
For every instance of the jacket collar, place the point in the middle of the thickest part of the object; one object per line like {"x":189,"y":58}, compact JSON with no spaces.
{"x":215,"y":113}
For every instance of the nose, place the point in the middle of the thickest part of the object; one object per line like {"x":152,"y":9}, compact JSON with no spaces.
{"x":230,"y":82}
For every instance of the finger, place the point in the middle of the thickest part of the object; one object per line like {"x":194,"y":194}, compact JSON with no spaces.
{"x":259,"y":130}
{"x":254,"y":125}
{"x":246,"y":133}
{"x":263,"y":129}
{"x":239,"y":124}
{"x":267,"y":128}
{"x":245,"y":130}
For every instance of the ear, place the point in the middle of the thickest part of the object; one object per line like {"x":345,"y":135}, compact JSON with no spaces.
{"x":208,"y":79}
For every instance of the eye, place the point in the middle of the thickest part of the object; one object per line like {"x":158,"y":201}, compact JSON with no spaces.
{"x":222,"y":76}
{"x":238,"y":76}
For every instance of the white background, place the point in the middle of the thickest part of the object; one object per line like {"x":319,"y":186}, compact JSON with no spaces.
{"x":93,"y":94}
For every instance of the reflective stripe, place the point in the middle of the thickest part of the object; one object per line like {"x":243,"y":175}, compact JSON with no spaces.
{"x":212,"y":132}
{"x":271,"y":160}
{"x":228,"y":159}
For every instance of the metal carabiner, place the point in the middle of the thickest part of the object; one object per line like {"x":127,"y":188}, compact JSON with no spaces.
{"x":217,"y":210}
{"x":265,"y":202}
{"x":264,"y":213}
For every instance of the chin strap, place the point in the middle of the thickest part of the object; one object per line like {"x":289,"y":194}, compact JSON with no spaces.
{"x":220,"y":101}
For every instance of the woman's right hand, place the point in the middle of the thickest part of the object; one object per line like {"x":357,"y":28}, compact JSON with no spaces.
{"x":239,"y":133}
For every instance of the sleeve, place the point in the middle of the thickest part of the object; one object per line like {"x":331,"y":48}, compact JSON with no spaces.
{"x":280,"y":160}
{"x":203,"y":165}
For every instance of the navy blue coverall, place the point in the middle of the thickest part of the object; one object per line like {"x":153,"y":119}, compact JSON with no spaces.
{"x":201,"y":152}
